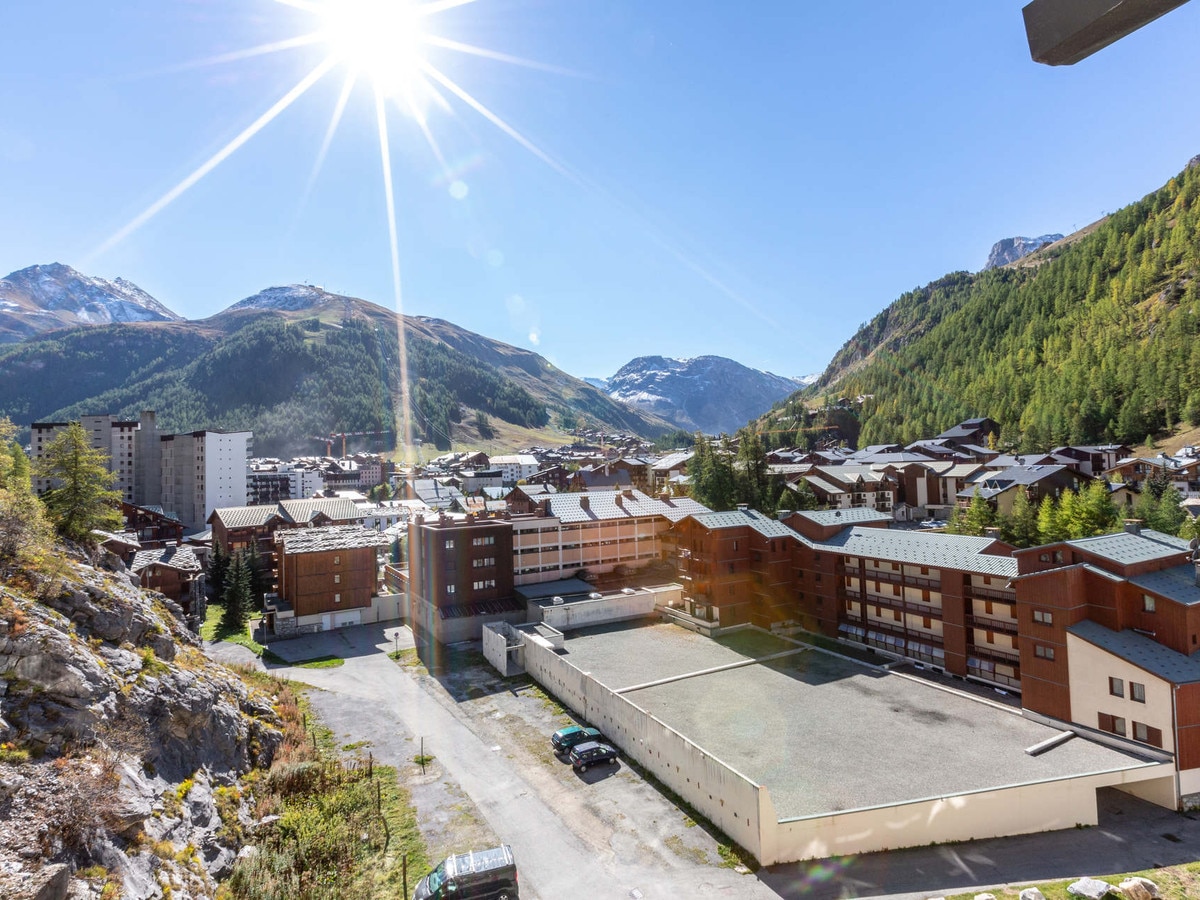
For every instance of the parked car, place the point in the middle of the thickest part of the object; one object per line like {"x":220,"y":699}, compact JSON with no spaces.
{"x":566,"y":738}
{"x":479,"y":875}
{"x":592,"y":753}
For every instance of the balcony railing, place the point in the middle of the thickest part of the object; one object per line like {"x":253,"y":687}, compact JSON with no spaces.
{"x":999,"y":654}
{"x":991,"y":623}
{"x":988,"y":593}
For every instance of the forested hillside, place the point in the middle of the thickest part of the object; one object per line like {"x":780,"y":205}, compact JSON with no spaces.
{"x":286,"y":378}
{"x":1095,"y":342}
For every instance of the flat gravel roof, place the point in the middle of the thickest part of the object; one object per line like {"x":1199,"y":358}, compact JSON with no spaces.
{"x":826,"y":734}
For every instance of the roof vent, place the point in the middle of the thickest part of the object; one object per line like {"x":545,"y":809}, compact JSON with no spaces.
{"x":1133,"y":526}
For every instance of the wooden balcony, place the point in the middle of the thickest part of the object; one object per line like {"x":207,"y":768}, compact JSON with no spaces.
{"x":996,"y":654}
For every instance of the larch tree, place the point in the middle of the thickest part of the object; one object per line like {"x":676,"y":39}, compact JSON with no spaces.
{"x":82,"y":498}
{"x":24,"y":531}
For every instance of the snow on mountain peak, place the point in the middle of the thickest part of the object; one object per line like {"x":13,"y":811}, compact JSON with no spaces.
{"x":289,"y":297}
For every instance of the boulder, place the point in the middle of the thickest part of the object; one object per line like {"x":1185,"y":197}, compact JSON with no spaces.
{"x":1137,"y":888}
{"x":985,"y":896}
{"x":1090,"y":888}
{"x":1031,"y":893}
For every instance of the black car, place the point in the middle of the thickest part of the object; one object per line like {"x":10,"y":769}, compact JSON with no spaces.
{"x":479,"y":875}
{"x":592,"y":753}
{"x":566,"y":738}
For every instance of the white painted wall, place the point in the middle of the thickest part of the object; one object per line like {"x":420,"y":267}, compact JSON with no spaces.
{"x":611,"y":608}
{"x":1088,"y":671}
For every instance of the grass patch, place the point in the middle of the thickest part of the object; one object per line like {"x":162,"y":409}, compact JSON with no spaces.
{"x":357,"y":745}
{"x":213,"y":630}
{"x":409,"y":658}
{"x":320,"y":662}
{"x":1174,"y":883}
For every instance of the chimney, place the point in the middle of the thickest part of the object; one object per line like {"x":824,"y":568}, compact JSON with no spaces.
{"x":1133,"y":526}
{"x":584,"y":502}
{"x":620,"y":498}
{"x":992,"y":532}
{"x":784,"y":515}
{"x":743,"y":507}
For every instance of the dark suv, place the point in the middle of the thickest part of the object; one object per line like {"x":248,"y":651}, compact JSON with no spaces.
{"x":592,"y":753}
{"x":566,"y":738}
{"x":480,"y":875}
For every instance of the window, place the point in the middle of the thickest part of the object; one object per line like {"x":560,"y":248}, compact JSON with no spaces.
{"x":1043,"y":652}
{"x":337,"y":560}
{"x":450,"y":543}
{"x":337,"y":598}
{"x":1116,"y":687}
{"x":1147,"y":603}
{"x":1141,"y":732}
{"x":1118,"y":726}
{"x":1043,"y":617}
{"x":337,"y":579}
{"x":735,"y":545}
{"x":1058,"y":556}
{"x":1137,"y":692}
{"x":449,"y":589}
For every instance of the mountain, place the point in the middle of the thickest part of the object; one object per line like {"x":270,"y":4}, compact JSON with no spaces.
{"x":709,"y":393}
{"x":1011,"y":249}
{"x":1093,"y":338}
{"x":44,"y":298}
{"x":296,"y":362}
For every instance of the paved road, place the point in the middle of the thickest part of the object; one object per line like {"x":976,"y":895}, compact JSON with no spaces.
{"x":372,"y":699}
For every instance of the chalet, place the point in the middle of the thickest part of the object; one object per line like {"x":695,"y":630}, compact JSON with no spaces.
{"x":174,"y":572}
{"x":327,"y":577}
{"x":999,"y":489}
{"x":971,"y":431}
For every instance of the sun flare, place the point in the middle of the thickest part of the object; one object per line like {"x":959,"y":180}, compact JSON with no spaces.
{"x":383,"y":40}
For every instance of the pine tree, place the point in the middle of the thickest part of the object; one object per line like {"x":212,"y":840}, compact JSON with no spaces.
{"x":260,"y":579}
{"x":1050,"y":527}
{"x":1097,"y":513}
{"x":1020,"y":526}
{"x":237,"y":595}
{"x":218,"y":568}
{"x":82,"y":499}
{"x":24,"y":531}
{"x":980,"y":516}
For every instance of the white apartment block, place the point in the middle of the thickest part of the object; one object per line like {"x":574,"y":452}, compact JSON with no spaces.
{"x":304,"y":481}
{"x":108,"y":434}
{"x":203,"y":471}
{"x":514,"y":467}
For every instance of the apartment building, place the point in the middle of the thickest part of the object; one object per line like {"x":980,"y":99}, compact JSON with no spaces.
{"x":327,"y":576}
{"x":1109,"y":634}
{"x":514,"y":467}
{"x":603,"y":532}
{"x":202,"y":471}
{"x":114,"y":437}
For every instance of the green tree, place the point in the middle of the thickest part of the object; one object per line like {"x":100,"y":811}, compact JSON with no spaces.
{"x":82,"y":498}
{"x":237,"y":595}
{"x":260,"y":578}
{"x":1050,"y":526}
{"x":1167,"y":515}
{"x":218,"y":567}
{"x":1020,"y":526}
{"x":24,"y":531}
{"x":751,"y":472}
{"x":980,"y":516}
{"x":803,"y":497}
{"x":1095,"y":512}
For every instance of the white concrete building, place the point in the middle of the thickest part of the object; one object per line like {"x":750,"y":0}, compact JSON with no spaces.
{"x":202,"y":471}
{"x":514,"y":467}
{"x":113,"y":437}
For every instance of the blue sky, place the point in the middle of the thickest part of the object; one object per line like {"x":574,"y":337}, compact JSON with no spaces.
{"x":749,"y":180}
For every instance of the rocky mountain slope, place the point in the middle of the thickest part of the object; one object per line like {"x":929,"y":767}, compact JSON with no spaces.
{"x":1011,"y":249}
{"x":295,"y":362}
{"x":120,"y":742}
{"x":709,"y":393}
{"x":1090,"y":339}
{"x":44,"y":298}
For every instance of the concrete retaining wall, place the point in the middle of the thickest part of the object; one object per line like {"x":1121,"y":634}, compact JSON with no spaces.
{"x":727,"y":798}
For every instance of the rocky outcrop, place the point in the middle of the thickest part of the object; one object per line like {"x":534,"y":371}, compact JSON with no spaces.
{"x":1011,"y":249}
{"x":116,"y":734}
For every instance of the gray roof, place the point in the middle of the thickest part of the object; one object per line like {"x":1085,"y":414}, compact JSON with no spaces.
{"x":244,"y":516}
{"x":1127,"y":548}
{"x":821,"y":484}
{"x":332,"y":537}
{"x":844,"y":516}
{"x":1141,"y":651}
{"x":760,"y":522}
{"x":936,"y":550}
{"x":1177,"y":583}
{"x":182,"y":558}
{"x":546,"y":590}
{"x":603,"y":504}
{"x":301,"y":511}
{"x":671,"y":460}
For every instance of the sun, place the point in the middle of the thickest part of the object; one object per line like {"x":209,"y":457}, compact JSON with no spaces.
{"x":383,"y":40}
